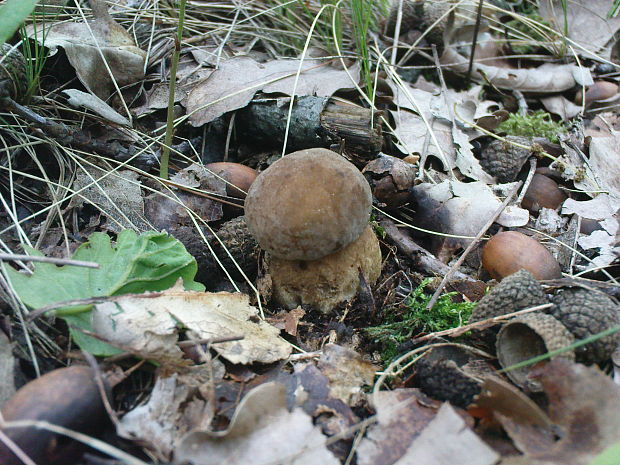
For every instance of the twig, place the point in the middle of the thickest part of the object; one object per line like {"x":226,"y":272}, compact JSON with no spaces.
{"x":209,"y":341}
{"x":100,"y":386}
{"x":10,"y":444}
{"x":471,"y":246}
{"x":455,"y":332}
{"x":528,"y":180}
{"x":420,"y":256}
{"x":9,"y":257}
{"x":474,"y":42}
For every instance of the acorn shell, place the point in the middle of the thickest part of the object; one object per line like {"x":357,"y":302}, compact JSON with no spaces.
{"x":528,"y":336}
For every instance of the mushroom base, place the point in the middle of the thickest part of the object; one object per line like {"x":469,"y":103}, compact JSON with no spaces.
{"x":328,"y":281}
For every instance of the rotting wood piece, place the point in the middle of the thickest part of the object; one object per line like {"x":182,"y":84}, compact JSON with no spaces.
{"x":313,"y":122}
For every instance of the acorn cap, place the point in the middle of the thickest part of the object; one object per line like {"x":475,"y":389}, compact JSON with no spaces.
{"x":13,"y":75}
{"x":587,"y":312}
{"x":528,"y":336}
{"x":504,"y":160}
{"x":307,"y":205}
{"x":516,"y":292}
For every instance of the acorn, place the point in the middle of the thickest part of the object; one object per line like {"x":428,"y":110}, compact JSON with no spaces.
{"x":13,"y":74}
{"x":586,"y":312}
{"x":542,"y":192}
{"x":599,"y":91}
{"x":509,"y":251}
{"x":238,"y":177}
{"x":528,"y":336}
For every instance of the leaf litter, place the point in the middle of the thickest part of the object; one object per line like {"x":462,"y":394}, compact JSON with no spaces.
{"x":229,"y":376}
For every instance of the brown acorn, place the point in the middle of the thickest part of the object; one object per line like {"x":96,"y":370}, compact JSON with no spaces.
{"x":510,"y":251}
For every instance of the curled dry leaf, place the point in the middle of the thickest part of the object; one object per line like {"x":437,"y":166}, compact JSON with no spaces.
{"x":172,"y":411}
{"x":547,"y":78}
{"x":583,"y":402}
{"x":461,"y":209}
{"x":78,"y":99}
{"x":444,"y":113}
{"x":148,"y":326}
{"x":262,"y":431}
{"x":85,"y":43}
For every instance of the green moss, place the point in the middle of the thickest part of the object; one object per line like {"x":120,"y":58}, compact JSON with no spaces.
{"x":536,"y":124}
{"x":401,"y":323}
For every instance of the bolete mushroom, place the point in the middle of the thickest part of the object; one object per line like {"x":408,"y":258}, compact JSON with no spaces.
{"x":328,"y":281}
{"x":307,"y":205}
{"x":310,"y":212}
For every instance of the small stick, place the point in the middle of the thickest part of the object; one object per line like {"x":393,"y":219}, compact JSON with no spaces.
{"x":212,"y":340}
{"x":471,"y":246}
{"x":528,"y":180}
{"x":474,"y":42}
{"x":9,"y":257}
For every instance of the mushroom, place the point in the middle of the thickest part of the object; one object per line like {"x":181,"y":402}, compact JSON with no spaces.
{"x":328,"y":281}
{"x":310,"y":212}
{"x":307,"y":205}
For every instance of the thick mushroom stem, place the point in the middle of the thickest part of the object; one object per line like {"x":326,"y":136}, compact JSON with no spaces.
{"x":328,"y":281}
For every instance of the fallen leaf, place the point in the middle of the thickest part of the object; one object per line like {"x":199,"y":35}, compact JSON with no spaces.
{"x":447,"y":440}
{"x":117,"y":195}
{"x":460,"y":209}
{"x":261,"y":432}
{"x":171,"y":412}
{"x":148,"y":325}
{"x":235,"y":82}
{"x":588,"y":24}
{"x":583,"y":401}
{"x":547,"y":78}
{"x":347,"y":372}
{"x":85,"y":43}
{"x":401,"y":415}
{"x":78,"y":99}
{"x":7,"y":369}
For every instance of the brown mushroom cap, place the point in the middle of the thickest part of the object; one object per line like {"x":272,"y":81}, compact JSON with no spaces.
{"x":307,"y":205}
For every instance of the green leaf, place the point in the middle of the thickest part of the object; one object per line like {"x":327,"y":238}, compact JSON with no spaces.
{"x":608,"y":457}
{"x":152,"y":261}
{"x":12,"y":14}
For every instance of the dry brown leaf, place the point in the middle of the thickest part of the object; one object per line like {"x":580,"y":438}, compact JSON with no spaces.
{"x":583,"y":401}
{"x":233,"y":85}
{"x":118,"y":195}
{"x":78,"y":99}
{"x":461,"y":209}
{"x":171,"y":412}
{"x":347,"y":372}
{"x":148,"y":325}
{"x":7,"y":369}
{"x":261,"y":432}
{"x":85,"y":43}
{"x":547,"y":78}
{"x":401,"y":416}
{"x":588,"y":24}
{"x":444,"y":113}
